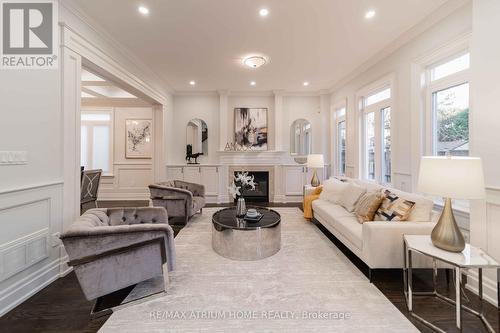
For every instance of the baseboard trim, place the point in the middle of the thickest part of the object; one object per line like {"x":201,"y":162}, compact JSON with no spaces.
{"x":489,"y":287}
{"x":31,"y":284}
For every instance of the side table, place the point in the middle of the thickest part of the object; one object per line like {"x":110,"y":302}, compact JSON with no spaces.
{"x":470,"y":258}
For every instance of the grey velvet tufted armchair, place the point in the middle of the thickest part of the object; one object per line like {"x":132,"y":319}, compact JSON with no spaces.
{"x":113,"y":248}
{"x":180,"y":198}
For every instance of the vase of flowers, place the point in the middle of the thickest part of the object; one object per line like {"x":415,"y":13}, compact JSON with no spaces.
{"x":242,"y":182}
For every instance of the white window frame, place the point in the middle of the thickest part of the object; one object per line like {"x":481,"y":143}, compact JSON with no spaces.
{"x":430,"y":87}
{"x":384,"y":83}
{"x":421,"y":106}
{"x":90,"y":125}
{"x":337,"y":119}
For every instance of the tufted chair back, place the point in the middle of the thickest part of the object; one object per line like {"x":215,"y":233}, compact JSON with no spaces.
{"x":129,"y":216}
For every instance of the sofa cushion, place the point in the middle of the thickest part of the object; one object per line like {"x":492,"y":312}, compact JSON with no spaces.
{"x":329,"y":210}
{"x":369,"y":186}
{"x":332,"y":190}
{"x":394,"y":208}
{"x":422,"y":210}
{"x":349,"y":227}
{"x":351,"y":195}
{"x":368,"y":205}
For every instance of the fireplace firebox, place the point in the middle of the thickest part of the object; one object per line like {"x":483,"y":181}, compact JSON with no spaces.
{"x":261,"y":193}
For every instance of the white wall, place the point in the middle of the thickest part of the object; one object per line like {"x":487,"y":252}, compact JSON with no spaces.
{"x":207,"y":108}
{"x":130,"y":177}
{"x":398,"y":64}
{"x":186,"y":108}
{"x":30,"y":194}
{"x":32,"y":211}
{"x":485,"y":131}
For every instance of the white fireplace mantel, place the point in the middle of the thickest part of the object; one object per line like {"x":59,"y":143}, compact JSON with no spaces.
{"x":252,"y":157}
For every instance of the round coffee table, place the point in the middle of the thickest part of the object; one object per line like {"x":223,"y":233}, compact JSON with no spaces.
{"x":237,"y":239}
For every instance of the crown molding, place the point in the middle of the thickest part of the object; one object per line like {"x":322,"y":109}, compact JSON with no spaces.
{"x":75,"y":9}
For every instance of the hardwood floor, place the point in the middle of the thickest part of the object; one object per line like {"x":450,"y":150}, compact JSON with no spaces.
{"x":62,"y":307}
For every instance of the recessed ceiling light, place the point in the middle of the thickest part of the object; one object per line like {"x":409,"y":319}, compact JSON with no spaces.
{"x":254,"y":61}
{"x":192,"y":83}
{"x":264,"y":12}
{"x":143,"y":10}
{"x":253,"y":83}
{"x":305,"y":84}
{"x":370,"y":14}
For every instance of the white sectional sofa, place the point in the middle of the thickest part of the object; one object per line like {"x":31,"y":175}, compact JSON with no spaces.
{"x":379,"y":244}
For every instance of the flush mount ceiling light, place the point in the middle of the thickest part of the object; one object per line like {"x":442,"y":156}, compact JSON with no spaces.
{"x":264,"y":12}
{"x":305,"y":84}
{"x":370,"y":14}
{"x":253,"y":83}
{"x":143,"y":10}
{"x":192,"y":83}
{"x":254,"y":61}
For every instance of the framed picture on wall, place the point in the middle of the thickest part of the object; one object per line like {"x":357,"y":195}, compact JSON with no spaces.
{"x":139,"y":142}
{"x":250,"y":128}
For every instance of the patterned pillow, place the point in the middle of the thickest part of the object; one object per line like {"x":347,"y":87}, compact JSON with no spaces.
{"x":368,"y":205}
{"x":393,"y":208}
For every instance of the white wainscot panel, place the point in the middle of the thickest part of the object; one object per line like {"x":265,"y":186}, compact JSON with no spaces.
{"x":134,"y":178}
{"x":31,"y":255}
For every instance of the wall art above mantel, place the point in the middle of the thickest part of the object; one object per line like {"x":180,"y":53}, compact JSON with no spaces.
{"x":250,"y":128}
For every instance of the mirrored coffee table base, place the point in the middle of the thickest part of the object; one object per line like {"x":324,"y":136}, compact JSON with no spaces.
{"x":237,"y":239}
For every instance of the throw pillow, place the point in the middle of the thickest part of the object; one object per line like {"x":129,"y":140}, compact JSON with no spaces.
{"x":332,"y":190}
{"x":367,"y":206}
{"x":350,"y":196}
{"x":393,"y":208}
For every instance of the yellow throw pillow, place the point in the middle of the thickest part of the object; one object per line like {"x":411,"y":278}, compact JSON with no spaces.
{"x":393,"y":208}
{"x":368,"y":205}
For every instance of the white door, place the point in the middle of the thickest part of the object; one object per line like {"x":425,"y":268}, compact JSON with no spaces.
{"x":175,"y":173}
{"x":192,"y":175}
{"x":294,"y":180}
{"x":210,"y":178}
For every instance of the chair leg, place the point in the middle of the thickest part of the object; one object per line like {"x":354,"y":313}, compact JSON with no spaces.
{"x":201,"y":210}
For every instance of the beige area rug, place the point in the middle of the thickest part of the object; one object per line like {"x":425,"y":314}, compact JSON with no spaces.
{"x":308,"y":286}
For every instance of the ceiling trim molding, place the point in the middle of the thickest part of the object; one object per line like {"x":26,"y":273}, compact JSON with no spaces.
{"x":441,"y":13}
{"x":141,"y":68}
{"x":262,"y":93}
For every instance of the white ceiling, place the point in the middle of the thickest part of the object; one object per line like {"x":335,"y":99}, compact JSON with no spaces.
{"x":94,"y":86}
{"x":320,"y":41}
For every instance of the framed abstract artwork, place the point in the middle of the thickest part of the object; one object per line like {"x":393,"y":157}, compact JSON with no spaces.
{"x":139,"y":142}
{"x":250,"y":128}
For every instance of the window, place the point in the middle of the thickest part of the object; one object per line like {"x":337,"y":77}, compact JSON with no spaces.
{"x":386,"y":145}
{"x":445,"y":85}
{"x":376,"y":141}
{"x":447,"y":93}
{"x":370,"y":145}
{"x":341,"y":132}
{"x":96,"y":140}
{"x":340,"y":140}
{"x":378,"y":97}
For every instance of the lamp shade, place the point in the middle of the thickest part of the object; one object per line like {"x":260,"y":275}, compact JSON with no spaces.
{"x":315,"y":161}
{"x":452,"y":177}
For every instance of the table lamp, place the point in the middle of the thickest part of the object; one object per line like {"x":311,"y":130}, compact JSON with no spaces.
{"x":450,"y":177}
{"x":315,"y":161}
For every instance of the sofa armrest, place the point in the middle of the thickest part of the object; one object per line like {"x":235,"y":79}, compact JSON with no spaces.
{"x":94,"y":241}
{"x":383,"y":241}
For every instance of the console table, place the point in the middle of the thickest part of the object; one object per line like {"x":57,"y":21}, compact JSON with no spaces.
{"x":470,"y":258}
